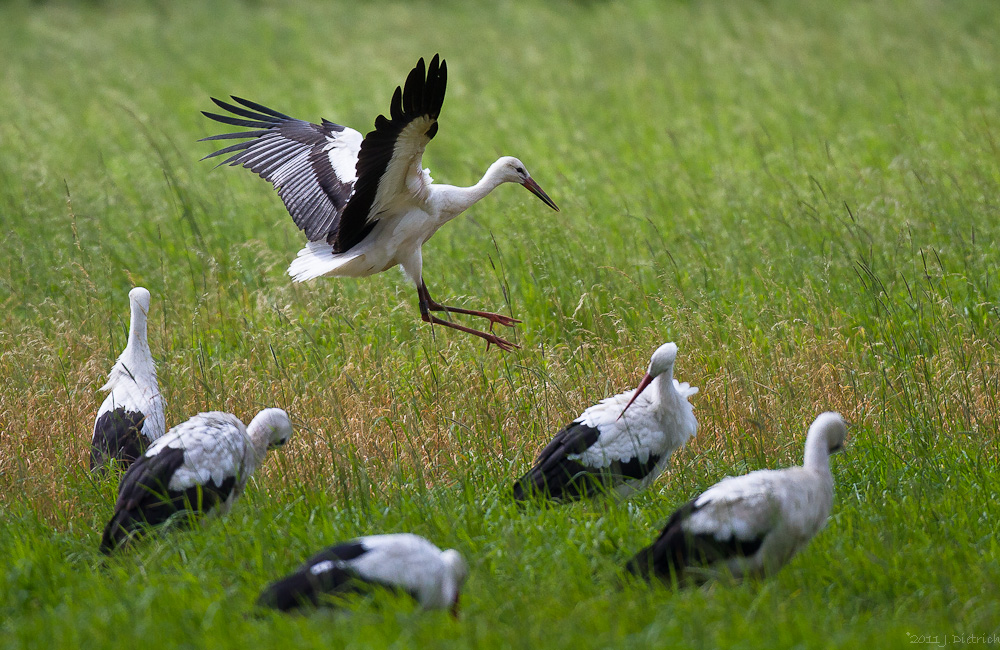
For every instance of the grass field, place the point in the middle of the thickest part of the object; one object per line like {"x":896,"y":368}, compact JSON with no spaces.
{"x":805,"y":196}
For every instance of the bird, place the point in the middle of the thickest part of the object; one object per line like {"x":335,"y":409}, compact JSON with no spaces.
{"x":620,"y":444}
{"x":132,"y":415}
{"x":366,"y":204}
{"x":751,"y":524}
{"x":199,"y":466}
{"x":400,"y":561}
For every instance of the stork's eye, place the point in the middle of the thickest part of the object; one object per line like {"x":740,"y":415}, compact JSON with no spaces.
{"x":520,"y":170}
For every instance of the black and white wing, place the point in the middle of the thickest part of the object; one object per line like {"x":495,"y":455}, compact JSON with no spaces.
{"x":397,"y":562}
{"x":334,"y":184}
{"x":143,"y":497}
{"x":196,"y":467}
{"x":727,"y":522}
{"x":555,"y":474}
{"x":576,"y":464}
{"x":389,"y":164}
{"x":312,"y":166}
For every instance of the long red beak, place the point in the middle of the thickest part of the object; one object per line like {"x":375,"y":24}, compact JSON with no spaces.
{"x":646,"y":381}
{"x":533,"y":187}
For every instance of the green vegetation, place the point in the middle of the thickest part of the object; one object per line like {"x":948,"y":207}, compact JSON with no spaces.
{"x":803,"y":195}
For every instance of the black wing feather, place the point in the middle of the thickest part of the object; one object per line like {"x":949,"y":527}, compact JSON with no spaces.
{"x":145,"y":500}
{"x":118,"y":435}
{"x":421,"y":96}
{"x":675,"y":549}
{"x":558,"y":477}
{"x":305,"y":588}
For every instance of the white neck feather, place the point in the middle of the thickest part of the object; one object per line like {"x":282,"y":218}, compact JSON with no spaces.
{"x":137,"y":341}
{"x":260,"y":439}
{"x":135,"y":361}
{"x":817,"y":455}
{"x":455,"y":200}
{"x":665,"y":386}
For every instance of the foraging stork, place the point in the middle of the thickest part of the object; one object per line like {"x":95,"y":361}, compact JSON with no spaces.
{"x":751,"y":524}
{"x":399,"y":561}
{"x":131,"y":416}
{"x":199,"y":466}
{"x":366,"y":204}
{"x":620,"y":444}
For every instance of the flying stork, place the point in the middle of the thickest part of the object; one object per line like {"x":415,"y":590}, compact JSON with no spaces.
{"x":399,"y":561}
{"x":131,"y":416}
{"x":199,"y":466}
{"x":751,"y":524}
{"x":366,"y":204}
{"x":620,"y":444}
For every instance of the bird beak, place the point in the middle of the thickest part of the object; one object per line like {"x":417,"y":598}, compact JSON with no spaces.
{"x":646,"y":381}
{"x":454,"y":607}
{"x":533,"y":187}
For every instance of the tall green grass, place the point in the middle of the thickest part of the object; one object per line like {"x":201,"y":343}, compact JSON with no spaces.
{"x":803,"y":195}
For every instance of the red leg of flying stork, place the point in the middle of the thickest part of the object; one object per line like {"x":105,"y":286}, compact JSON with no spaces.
{"x":428,"y":304}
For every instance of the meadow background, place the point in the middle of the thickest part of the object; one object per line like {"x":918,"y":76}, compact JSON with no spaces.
{"x":804,"y":195}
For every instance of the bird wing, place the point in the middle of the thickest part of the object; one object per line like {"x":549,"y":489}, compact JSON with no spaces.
{"x":555,"y":474}
{"x":147,"y":479}
{"x":729,"y":520}
{"x":117,"y":434}
{"x":740,"y":508}
{"x":400,"y":561}
{"x":326,"y":572}
{"x":312,"y":166}
{"x":389,"y":163}
{"x":215,"y":446}
{"x":143,"y":496}
{"x":146,"y":495}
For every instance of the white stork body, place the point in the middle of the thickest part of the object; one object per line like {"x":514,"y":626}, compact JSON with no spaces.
{"x":365,"y":203}
{"x":620,"y":444}
{"x":399,"y":561}
{"x":751,"y":524}
{"x":200,"y":466}
{"x":132,"y":415}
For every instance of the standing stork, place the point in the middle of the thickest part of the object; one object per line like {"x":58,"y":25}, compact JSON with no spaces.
{"x":131,"y":416}
{"x":620,"y":444}
{"x":366,"y":204}
{"x":199,"y":466}
{"x":751,"y":524}
{"x":400,"y":561}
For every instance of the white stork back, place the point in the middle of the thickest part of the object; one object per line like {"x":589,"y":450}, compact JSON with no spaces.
{"x":400,"y":561}
{"x":620,"y":444}
{"x":366,"y":204}
{"x":132,"y":415}
{"x":751,"y":524}
{"x":199,"y":466}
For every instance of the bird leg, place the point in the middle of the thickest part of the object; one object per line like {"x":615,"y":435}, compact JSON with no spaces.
{"x":433,"y":305}
{"x":427,"y":305}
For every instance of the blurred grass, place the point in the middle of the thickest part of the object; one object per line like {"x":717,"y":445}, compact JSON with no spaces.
{"x":803,"y":195}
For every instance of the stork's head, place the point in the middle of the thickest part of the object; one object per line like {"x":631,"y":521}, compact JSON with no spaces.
{"x":831,"y":430}
{"x":661,"y":363}
{"x":826,"y":436}
{"x":662,"y":360}
{"x":512,"y":170}
{"x":455,"y":573}
{"x":273,"y":425}
{"x":139,"y":298}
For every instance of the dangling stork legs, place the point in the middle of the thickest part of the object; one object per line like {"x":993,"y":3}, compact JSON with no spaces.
{"x":428,"y":304}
